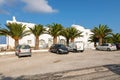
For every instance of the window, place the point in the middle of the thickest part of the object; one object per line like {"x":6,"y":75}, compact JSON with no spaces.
{"x":29,"y":41}
{"x":50,"y":42}
{"x":41,"y":42}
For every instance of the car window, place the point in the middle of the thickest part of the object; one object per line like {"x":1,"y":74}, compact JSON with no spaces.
{"x":59,"y":46}
{"x":113,"y":44}
{"x":106,"y":44}
{"x":17,"y":47}
{"x":103,"y":45}
{"x":62,"y":46}
{"x":25,"y":47}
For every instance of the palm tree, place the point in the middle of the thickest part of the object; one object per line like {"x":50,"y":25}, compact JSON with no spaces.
{"x":100,"y":32}
{"x":1,"y":34}
{"x":54,"y":30}
{"x":116,"y":38}
{"x":108,"y":39}
{"x":113,"y":38}
{"x":94,"y":39}
{"x":70,"y":33}
{"x":74,"y":33}
{"x":65,"y":32}
{"x":37,"y":30}
{"x":16,"y":31}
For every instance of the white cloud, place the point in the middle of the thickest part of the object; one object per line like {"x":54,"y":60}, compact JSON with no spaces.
{"x":7,"y":3}
{"x":12,"y":3}
{"x":4,"y":12}
{"x":1,"y":2}
{"x":38,"y":6}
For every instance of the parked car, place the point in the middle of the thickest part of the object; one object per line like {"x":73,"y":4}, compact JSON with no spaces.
{"x":107,"y":46}
{"x":76,"y":46}
{"x":23,"y":50}
{"x":118,"y":46}
{"x":59,"y":48}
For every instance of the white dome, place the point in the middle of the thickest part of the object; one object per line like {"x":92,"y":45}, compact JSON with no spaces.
{"x":78,"y":27}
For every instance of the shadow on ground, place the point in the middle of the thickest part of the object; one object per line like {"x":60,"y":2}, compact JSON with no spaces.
{"x":2,"y":77}
{"x":115,"y":68}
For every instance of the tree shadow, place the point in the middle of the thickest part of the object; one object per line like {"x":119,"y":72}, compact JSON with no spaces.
{"x":114,"y":68}
{"x":3,"y":77}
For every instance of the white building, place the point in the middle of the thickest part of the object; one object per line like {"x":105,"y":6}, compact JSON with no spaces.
{"x":46,"y":39}
{"x":86,"y":33}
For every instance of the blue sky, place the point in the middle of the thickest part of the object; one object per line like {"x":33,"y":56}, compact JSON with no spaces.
{"x":87,"y":13}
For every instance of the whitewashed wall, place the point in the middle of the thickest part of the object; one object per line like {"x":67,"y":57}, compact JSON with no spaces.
{"x":48,"y":39}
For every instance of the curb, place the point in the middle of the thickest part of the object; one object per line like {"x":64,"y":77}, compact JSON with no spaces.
{"x":13,"y":52}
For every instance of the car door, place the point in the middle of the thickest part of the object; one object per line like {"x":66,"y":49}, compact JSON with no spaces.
{"x":17,"y":50}
{"x":103,"y":47}
{"x":106,"y":46}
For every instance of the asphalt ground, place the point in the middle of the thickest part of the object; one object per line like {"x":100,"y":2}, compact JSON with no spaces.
{"x":89,"y":65}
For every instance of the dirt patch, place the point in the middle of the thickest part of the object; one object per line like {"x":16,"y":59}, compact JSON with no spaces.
{"x":56,"y":61}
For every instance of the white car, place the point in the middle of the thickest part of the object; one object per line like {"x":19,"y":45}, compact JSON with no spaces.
{"x":23,"y":50}
{"x":107,"y":47}
{"x":76,"y":46}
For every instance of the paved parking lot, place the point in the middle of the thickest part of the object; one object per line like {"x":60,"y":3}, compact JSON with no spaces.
{"x":46,"y":62}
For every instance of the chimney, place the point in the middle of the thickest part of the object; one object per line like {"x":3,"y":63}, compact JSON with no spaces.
{"x":14,"y":19}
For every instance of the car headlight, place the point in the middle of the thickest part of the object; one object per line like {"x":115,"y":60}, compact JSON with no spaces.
{"x":61,"y":50}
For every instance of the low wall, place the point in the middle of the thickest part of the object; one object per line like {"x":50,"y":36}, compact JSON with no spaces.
{"x":3,"y":47}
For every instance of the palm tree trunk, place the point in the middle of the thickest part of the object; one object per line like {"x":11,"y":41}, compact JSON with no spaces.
{"x":16,"y":42}
{"x":54,"y":40}
{"x":100,"y":41}
{"x":67,"y":42}
{"x":37,"y":43}
{"x":95,"y":44}
{"x":72,"y":39}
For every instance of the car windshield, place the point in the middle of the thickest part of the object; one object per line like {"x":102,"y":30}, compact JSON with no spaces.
{"x":104,"y":44}
{"x":61,"y":46}
{"x":113,"y":44}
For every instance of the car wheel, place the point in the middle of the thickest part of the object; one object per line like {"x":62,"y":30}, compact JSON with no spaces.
{"x":19,"y":56}
{"x":108,"y":49}
{"x":97,"y":49}
{"x":81,"y":50}
{"x":16,"y":54}
{"x":74,"y":50}
{"x":30,"y":55}
{"x":57,"y":52}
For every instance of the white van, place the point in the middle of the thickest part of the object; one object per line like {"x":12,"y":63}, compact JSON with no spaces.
{"x":76,"y":46}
